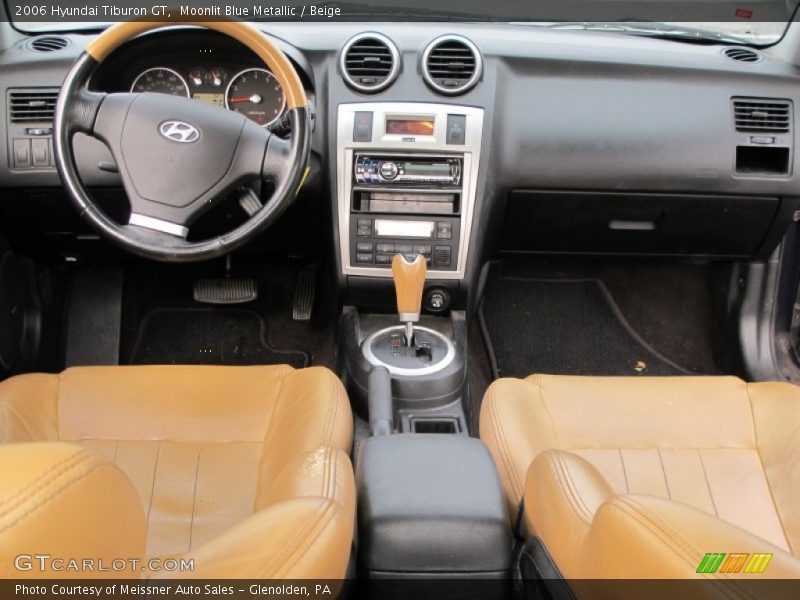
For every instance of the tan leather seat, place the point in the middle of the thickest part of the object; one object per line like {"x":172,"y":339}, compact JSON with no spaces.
{"x":652,"y":472}
{"x":244,"y":470}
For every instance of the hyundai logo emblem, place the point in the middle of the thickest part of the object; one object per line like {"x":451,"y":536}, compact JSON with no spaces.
{"x":179,"y":131}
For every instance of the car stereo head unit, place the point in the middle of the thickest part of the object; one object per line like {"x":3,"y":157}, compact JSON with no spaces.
{"x":400,"y":170}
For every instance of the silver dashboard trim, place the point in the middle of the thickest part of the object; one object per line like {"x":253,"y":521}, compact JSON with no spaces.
{"x":422,"y":145}
{"x":369,"y":355}
{"x":158,"y":225}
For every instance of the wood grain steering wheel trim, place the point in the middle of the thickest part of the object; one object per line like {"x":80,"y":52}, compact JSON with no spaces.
{"x":249,"y":35}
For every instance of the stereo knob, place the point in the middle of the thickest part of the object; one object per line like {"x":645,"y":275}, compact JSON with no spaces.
{"x":388,"y":170}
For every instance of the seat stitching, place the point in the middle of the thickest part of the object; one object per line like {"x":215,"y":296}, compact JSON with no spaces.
{"x":153,"y":485}
{"x":570,"y":494}
{"x":664,"y":472}
{"x":655,"y":524}
{"x":326,"y":474}
{"x":54,"y":471}
{"x":764,"y":471}
{"x":296,"y":540}
{"x":333,"y":411}
{"x":62,"y":488}
{"x":194,"y":495}
{"x":324,"y":518}
{"x":708,"y":484}
{"x":505,"y":454}
{"x":267,"y":442}
{"x":624,"y":470}
{"x":540,"y":385}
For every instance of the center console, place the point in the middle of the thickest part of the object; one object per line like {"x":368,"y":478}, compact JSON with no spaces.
{"x":407,"y":185}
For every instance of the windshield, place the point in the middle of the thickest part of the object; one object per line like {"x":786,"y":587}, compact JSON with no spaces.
{"x":756,"y":22}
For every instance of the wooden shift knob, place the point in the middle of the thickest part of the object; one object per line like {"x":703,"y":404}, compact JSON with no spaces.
{"x":409,"y":281}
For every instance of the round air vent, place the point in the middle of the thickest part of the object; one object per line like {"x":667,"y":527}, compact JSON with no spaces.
{"x":370,"y":62}
{"x":451,"y":64}
{"x":742,"y":54}
{"x":48,"y":43}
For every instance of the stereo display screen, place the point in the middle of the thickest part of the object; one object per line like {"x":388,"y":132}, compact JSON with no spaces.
{"x":416,"y":126}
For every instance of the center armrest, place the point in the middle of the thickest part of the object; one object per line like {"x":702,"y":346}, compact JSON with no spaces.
{"x":431,"y":504}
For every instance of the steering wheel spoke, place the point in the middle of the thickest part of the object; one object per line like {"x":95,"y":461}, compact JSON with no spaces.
{"x":83,"y":107}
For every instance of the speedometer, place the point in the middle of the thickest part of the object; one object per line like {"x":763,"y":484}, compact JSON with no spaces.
{"x":161,"y":80}
{"x":256,"y":94}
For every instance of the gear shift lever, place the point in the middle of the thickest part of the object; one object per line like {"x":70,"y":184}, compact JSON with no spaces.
{"x":409,"y":281}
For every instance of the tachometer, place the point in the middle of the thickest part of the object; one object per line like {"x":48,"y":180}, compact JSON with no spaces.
{"x":161,"y":80}
{"x":257,"y":95}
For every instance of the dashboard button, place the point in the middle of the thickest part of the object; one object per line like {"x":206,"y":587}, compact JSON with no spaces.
{"x":364,"y":258}
{"x":456,"y":130}
{"x":386,"y":248}
{"x":442,"y":256}
{"x":382,"y":259}
{"x":22,"y":153}
{"x":362,"y":126}
{"x":40,"y":153}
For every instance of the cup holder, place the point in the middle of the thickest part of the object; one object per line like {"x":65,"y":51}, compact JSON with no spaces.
{"x":435,"y":425}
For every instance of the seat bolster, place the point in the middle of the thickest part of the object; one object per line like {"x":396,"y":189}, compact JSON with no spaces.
{"x":321,"y":473}
{"x":516,"y":426}
{"x":312,"y":410}
{"x":562,"y":493}
{"x":776,"y":415}
{"x":70,"y":503}
{"x":634,"y":536}
{"x":29,"y":408}
{"x":305,"y":533}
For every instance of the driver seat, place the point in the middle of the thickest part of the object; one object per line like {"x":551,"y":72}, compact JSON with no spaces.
{"x":242,"y":472}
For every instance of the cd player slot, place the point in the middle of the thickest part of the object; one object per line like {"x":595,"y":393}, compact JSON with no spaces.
{"x":406,"y":202}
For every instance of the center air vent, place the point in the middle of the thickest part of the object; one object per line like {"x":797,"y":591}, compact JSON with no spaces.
{"x":32,"y":106}
{"x":762,"y":116}
{"x":370,"y":62}
{"x":48,"y":43}
{"x":742,"y":54}
{"x":451,"y":64}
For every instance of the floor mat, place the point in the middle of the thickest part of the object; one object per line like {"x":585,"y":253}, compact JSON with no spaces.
{"x":152,"y":289}
{"x":565,"y":327}
{"x":204,"y":336}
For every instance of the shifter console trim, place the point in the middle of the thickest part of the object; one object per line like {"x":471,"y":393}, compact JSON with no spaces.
{"x":393,"y":190}
{"x":450,"y":353}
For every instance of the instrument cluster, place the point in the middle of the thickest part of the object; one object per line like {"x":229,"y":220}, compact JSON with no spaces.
{"x":252,"y":91}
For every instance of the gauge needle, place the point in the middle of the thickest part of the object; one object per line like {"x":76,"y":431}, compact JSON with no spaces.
{"x":255,"y":99}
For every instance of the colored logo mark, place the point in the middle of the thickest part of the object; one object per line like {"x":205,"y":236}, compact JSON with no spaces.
{"x":719,"y":562}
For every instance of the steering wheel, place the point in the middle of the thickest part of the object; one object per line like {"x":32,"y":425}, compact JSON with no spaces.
{"x":177,"y":157}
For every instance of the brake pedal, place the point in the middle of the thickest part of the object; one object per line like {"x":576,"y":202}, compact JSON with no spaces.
{"x":225,"y":291}
{"x":304,"y":295}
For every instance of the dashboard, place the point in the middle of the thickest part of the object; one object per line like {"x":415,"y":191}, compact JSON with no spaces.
{"x":568,"y":141}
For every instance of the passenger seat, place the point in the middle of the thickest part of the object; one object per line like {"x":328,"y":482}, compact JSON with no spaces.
{"x":658,"y":472}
